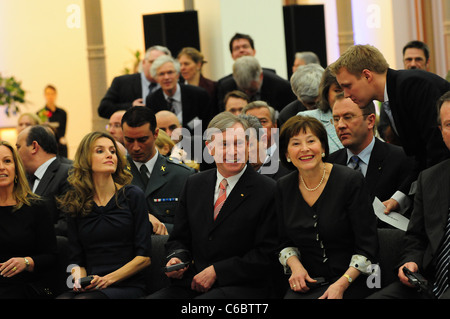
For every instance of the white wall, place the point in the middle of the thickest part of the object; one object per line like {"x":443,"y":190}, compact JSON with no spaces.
{"x":45,"y":42}
{"x":123,"y":29}
{"x":261,"y":19}
{"x":385,"y":24}
{"x":39,"y":47}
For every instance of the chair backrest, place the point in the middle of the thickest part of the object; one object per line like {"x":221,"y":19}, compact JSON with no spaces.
{"x":391,"y":243}
{"x":156,"y":279}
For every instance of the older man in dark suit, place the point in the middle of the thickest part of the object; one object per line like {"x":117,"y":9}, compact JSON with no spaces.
{"x":409,"y":99}
{"x":161,"y":178}
{"x":386,"y":167}
{"x":427,"y":238}
{"x":188,"y":102}
{"x":132,"y":89}
{"x":225,"y":224}
{"x":37,"y":147}
{"x":258,"y":84}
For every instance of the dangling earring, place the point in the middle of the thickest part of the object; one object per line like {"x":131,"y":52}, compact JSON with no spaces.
{"x":15,"y":179}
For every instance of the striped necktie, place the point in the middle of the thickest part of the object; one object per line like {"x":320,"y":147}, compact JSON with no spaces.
{"x":222,"y":197}
{"x":355,"y":160}
{"x":151,"y":88}
{"x":441,"y":284}
{"x":170,"y":106}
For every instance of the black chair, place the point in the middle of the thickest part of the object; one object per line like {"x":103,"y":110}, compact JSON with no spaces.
{"x":390,"y":253}
{"x":156,"y":279}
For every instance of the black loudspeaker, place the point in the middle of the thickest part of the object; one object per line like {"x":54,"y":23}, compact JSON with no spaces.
{"x":174,"y":30}
{"x":304,"y":28}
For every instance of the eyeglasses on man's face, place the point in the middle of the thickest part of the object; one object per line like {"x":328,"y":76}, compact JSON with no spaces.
{"x":347,"y":118}
{"x":113,"y":125}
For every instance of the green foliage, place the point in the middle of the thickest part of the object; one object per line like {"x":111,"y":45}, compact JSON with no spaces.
{"x":11,"y":94}
{"x":136,"y":60}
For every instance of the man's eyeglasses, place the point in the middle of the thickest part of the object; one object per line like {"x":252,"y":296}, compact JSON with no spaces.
{"x":115,"y":125}
{"x":347,"y":118}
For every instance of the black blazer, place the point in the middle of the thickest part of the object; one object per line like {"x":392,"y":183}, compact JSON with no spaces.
{"x":412,"y":97}
{"x":195,"y":101}
{"x":275,"y":90}
{"x":53,"y":184}
{"x":123,"y":91}
{"x":268,"y":171}
{"x":340,"y":224}
{"x":389,"y":169}
{"x":426,"y":227}
{"x":241,"y":242}
{"x":289,"y":111}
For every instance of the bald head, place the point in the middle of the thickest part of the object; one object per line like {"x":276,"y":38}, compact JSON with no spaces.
{"x":115,"y":127}
{"x":167,"y":121}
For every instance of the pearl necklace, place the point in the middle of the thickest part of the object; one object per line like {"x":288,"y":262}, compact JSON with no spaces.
{"x":315,"y":188}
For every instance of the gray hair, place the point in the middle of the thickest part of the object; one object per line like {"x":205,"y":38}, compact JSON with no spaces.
{"x":245,"y":70}
{"x":164,"y":50}
{"x":261,"y":104}
{"x":253,"y":122}
{"x":222,"y":121}
{"x":307,"y":56}
{"x":163,"y":59}
{"x":306,"y":80}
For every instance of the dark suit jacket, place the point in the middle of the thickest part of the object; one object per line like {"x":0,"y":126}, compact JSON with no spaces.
{"x":275,"y":90}
{"x":164,"y":187}
{"x":54,"y":183}
{"x":289,"y":111}
{"x":268,"y":171}
{"x":123,"y":91}
{"x":195,"y":102}
{"x":241,"y":242}
{"x":389,"y":169}
{"x":412,"y":97}
{"x":340,"y":224}
{"x":428,"y":220}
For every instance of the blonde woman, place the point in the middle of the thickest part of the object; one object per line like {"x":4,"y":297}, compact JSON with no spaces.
{"x":27,"y":119}
{"x":108,"y":226}
{"x":27,"y":236}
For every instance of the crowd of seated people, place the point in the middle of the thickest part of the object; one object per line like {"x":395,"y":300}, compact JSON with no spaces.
{"x":251,"y":206}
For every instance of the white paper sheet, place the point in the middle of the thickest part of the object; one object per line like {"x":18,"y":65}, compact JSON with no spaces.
{"x":395,"y":219}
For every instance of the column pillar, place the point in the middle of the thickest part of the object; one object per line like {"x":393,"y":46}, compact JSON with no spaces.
{"x":446,"y":14}
{"x":345,"y":24}
{"x":96,"y":59}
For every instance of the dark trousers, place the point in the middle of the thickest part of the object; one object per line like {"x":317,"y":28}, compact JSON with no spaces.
{"x":231,"y":292}
{"x":397,"y":290}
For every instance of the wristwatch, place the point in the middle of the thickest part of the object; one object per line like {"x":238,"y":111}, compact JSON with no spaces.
{"x":27,"y":263}
{"x":348,"y":278}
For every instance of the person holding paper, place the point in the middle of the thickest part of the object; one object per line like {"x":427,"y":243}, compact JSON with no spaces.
{"x":386,"y":167}
{"x":428,"y":233}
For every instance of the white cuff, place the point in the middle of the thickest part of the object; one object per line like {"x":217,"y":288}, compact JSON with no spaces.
{"x":403,"y":201}
{"x":285,"y":254}
{"x":362,"y":264}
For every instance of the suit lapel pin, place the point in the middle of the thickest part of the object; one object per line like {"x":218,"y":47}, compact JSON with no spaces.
{"x":163,"y":168}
